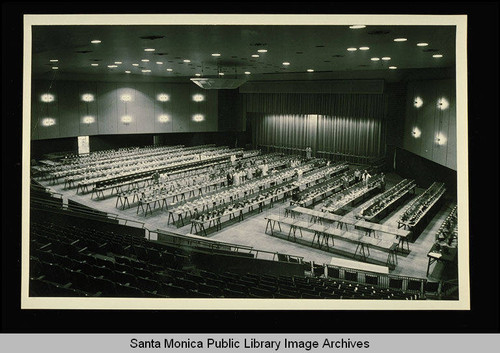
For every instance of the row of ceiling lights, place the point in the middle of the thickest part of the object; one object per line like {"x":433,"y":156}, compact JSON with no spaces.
{"x":352,"y":49}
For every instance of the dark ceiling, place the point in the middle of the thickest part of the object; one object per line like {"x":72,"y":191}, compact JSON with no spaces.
{"x":320,"y":48}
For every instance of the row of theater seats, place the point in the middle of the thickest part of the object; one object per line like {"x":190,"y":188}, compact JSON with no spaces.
{"x":68,"y":261}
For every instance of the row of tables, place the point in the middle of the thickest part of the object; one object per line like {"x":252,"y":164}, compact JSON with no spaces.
{"x":325,"y":233}
{"x":342,"y":221}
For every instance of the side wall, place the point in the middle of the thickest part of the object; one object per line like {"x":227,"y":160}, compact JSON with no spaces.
{"x":106,"y":109}
{"x":430,"y":129}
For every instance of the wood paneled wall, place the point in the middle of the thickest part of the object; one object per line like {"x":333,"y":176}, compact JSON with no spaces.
{"x":68,"y":109}
{"x":425,"y":124}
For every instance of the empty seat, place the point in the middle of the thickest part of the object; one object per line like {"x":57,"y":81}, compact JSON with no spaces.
{"x":395,"y":283}
{"x":128,"y":291}
{"x":333,"y":272}
{"x":351,"y":276}
{"x":228,"y":293}
{"x":212,"y":290}
{"x":371,"y":280}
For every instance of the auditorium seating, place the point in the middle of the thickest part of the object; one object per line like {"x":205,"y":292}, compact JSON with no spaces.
{"x":67,"y":261}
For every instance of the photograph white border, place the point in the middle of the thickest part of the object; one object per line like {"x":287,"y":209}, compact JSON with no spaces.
{"x":460,"y":21}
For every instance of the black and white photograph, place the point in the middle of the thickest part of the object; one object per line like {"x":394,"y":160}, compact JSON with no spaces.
{"x":270,"y":162}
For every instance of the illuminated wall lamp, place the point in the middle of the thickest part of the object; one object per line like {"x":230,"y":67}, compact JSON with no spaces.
{"x":163,"y":118}
{"x":198,"y":97}
{"x":87,"y":97}
{"x":198,"y":117}
{"x":443,"y":104}
{"x":88,"y":119}
{"x":418,"y":102}
{"x":126,"y":119}
{"x":163,"y":97}
{"x":48,"y":122}
{"x":47,"y":98}
{"x":126,"y":97}
{"x":440,"y":139}
{"x":416,"y":132}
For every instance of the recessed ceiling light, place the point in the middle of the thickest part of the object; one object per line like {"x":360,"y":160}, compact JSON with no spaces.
{"x":146,"y":70}
{"x":400,"y":39}
{"x":364,"y":48}
{"x":215,"y":54}
{"x":94,"y":64}
{"x":126,"y":97}
{"x":262,"y":51}
{"x":386,"y":58}
{"x":53,"y":60}
{"x":145,"y":60}
{"x":197,"y":75}
{"x":95,"y":41}
{"x":221,"y":74}
{"x":375,"y":59}
{"x":135,"y":64}
{"x":437,"y":56}
{"x":286,"y":63}
{"x":393,"y":67}
{"x":159,"y":63}
{"x":352,"y":49}
{"x":255,"y":55}
{"x":422,"y":44}
{"x":149,"y":49}
{"x":247,"y":72}
{"x":357,"y":26}
{"x":198,"y":117}
{"x":169,"y":70}
{"x":310,"y":70}
{"x":112,"y":66}
{"x":118,"y":62}
{"x":127,"y":72}
{"x":54,"y":68}
{"x":187,"y":60}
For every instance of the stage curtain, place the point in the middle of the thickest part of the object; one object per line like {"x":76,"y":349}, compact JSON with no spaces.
{"x":354,"y":125}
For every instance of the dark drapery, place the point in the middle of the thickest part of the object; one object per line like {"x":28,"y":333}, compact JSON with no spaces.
{"x":344,"y":123}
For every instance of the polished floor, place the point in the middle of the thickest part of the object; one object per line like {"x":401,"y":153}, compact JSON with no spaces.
{"x":251,"y":232}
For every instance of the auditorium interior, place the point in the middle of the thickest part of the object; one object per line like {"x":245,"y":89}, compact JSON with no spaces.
{"x":283,"y":162}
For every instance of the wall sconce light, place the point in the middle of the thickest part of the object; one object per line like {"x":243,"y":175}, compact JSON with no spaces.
{"x":416,"y":132}
{"x":126,"y":97}
{"x":48,"y":121}
{"x":163,"y":97}
{"x":87,"y":97}
{"x":440,"y":139}
{"x":198,"y":97}
{"x":443,"y":103}
{"x":126,"y":119}
{"x":88,"y":119}
{"x":47,"y":98}
{"x":163,"y":118}
{"x":198,"y":117}
{"x":418,"y":102}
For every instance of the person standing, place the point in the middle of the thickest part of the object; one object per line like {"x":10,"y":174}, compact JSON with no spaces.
{"x":357,"y":175}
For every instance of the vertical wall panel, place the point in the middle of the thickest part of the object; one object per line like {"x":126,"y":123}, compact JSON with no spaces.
{"x":180,"y":108}
{"x":126,"y":108}
{"x":68,"y":116}
{"x":432,"y":121}
{"x":88,"y":109}
{"x":212,"y":111}
{"x":143,"y":107}
{"x":68,"y":109}
{"x":107,"y":108}
{"x":162,"y":108}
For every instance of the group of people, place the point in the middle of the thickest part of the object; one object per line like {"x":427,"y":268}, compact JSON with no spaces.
{"x":241,"y":173}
